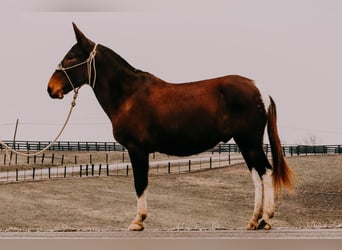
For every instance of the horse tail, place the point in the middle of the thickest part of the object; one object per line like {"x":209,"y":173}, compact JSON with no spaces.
{"x":282,"y":173}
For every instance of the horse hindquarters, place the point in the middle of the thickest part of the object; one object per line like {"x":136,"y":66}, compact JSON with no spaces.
{"x":266,"y":178}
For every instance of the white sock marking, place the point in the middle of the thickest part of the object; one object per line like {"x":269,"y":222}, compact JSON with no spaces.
{"x":258,"y":192}
{"x":268,"y":193}
{"x":142,"y":203}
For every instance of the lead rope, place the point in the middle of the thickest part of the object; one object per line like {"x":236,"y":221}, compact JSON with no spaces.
{"x":90,"y":65}
{"x":9,"y":149}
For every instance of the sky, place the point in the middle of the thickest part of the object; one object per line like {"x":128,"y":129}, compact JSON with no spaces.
{"x":293,"y":48}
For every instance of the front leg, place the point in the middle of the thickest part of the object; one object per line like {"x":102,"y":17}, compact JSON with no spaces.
{"x":139,"y":160}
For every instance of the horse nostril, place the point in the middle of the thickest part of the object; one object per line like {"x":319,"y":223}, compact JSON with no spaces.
{"x":49,"y":90}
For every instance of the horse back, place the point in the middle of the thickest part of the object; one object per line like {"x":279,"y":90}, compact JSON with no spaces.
{"x":184,"y":119}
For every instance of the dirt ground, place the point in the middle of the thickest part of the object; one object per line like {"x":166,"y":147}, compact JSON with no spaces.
{"x":209,"y":200}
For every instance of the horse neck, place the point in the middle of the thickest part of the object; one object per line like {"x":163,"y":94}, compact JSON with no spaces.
{"x":116,"y":80}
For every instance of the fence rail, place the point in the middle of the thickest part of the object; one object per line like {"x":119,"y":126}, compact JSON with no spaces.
{"x":64,"y":146}
{"x":48,"y":167}
{"x":289,"y":150}
{"x":158,"y":167}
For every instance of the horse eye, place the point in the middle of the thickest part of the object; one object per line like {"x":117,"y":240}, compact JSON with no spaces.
{"x":69,"y":56}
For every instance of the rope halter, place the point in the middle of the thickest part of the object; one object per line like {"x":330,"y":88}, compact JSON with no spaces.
{"x":90,"y":65}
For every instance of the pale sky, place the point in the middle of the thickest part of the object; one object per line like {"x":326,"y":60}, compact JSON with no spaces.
{"x":294,"y":48}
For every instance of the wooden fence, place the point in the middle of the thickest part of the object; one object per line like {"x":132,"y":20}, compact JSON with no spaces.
{"x":64,"y":146}
{"x":157,"y":167}
{"x":289,"y":150}
{"x":59,"y":163}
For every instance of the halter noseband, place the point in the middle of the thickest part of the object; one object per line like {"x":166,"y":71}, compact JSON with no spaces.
{"x":90,"y":64}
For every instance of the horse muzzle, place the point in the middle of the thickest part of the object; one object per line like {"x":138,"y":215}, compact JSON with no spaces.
{"x":55,"y":87}
{"x":55,"y":94}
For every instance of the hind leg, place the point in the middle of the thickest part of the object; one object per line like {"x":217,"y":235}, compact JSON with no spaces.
{"x":262,"y":178}
{"x":258,"y":201}
{"x":268,"y":203}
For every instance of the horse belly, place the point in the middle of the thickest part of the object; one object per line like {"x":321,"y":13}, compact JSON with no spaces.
{"x":190,"y":137}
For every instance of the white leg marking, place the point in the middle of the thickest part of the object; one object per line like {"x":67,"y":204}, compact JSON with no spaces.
{"x":142,"y":204}
{"x":137,"y":224}
{"x":268,"y":195}
{"x":258,"y":193}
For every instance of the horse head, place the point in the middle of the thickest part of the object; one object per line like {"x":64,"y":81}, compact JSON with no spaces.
{"x":76,"y":68}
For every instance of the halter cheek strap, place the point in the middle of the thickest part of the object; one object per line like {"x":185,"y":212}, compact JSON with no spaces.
{"x":90,"y":65}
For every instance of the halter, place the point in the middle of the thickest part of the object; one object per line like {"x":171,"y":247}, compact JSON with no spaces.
{"x":90,"y":65}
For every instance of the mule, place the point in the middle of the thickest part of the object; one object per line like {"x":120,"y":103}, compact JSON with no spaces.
{"x":150,"y":115}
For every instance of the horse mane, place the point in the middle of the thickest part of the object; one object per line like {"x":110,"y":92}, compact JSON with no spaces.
{"x":119,"y":61}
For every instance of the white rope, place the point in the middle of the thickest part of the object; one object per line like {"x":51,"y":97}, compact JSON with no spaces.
{"x":90,"y":64}
{"x":73,"y":104}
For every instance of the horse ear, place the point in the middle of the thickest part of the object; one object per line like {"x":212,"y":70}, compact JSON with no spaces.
{"x":81,"y":38}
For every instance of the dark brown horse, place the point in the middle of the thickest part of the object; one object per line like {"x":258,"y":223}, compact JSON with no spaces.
{"x":150,"y":115}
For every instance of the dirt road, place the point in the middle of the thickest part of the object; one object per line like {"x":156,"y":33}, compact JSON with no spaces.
{"x":154,"y":234}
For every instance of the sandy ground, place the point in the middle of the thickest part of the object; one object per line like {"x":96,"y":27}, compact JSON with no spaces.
{"x":214,"y":202}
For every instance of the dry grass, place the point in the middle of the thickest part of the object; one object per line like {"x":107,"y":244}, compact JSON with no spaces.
{"x":213,"y":199}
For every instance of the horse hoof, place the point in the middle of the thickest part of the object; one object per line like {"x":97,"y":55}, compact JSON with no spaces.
{"x":136,"y":226}
{"x":267,"y":226}
{"x":264,"y":225}
{"x":251,"y":226}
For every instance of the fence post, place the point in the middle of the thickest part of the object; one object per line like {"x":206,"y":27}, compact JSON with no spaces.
{"x":43,"y":156}
{"x":92,"y":169}
{"x":127,"y":170}
{"x":49,"y":170}
{"x":86,"y":169}
{"x":210,"y":162}
{"x":62,"y":160}
{"x":16,"y":174}
{"x":100,"y":169}
{"x":80,"y":170}
{"x":33,"y":173}
{"x":189,"y":166}
{"x":229,"y":154}
{"x":65,"y":171}
{"x":107,"y":169}
{"x":169,"y":167}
